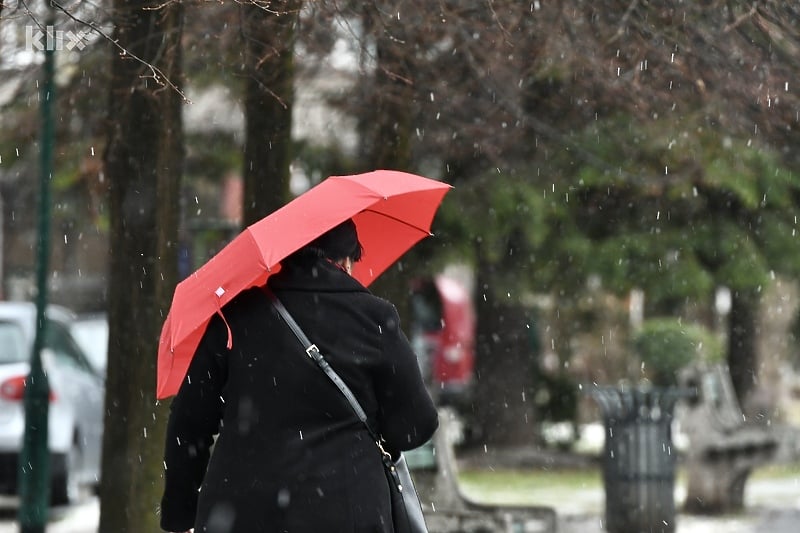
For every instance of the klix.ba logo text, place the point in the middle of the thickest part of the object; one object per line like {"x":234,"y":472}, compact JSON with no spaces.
{"x":48,"y":38}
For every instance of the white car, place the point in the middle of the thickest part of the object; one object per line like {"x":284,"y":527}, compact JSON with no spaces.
{"x":77,"y":393}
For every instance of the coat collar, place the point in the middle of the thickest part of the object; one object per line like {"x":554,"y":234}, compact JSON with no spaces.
{"x":321,"y":276}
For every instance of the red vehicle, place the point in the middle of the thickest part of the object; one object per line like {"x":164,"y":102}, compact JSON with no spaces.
{"x":443,"y":335}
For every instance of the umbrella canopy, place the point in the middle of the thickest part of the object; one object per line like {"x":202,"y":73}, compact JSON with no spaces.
{"x":392,"y":211}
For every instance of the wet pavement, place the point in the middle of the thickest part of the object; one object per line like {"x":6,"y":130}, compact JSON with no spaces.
{"x":753,"y":520}
{"x":780,"y":515}
{"x":81,"y":518}
{"x":772,"y":506}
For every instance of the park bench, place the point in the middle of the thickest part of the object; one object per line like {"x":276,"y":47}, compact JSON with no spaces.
{"x":448,"y":510}
{"x":724,"y":447}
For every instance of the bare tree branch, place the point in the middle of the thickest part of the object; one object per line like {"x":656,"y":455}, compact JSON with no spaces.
{"x":156,"y":74}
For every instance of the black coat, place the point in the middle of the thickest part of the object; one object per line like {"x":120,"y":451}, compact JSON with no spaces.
{"x":291,"y":456}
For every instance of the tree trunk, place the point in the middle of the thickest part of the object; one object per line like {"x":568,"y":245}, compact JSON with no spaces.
{"x":742,"y":343}
{"x":505,"y":355}
{"x":143,"y":160}
{"x":504,"y":366}
{"x":269,"y":97}
{"x":385,"y":132}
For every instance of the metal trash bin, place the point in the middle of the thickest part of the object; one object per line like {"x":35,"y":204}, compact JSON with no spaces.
{"x":638,"y":458}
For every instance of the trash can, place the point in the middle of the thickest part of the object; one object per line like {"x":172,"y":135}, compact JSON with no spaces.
{"x":638,"y":458}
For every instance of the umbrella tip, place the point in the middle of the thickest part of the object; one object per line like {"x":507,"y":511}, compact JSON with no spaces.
{"x":219,"y":292}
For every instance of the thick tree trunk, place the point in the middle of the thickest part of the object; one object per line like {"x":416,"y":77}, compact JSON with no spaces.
{"x":385,"y":131}
{"x":505,"y":357}
{"x":269,"y":97}
{"x":143,"y":161}
{"x":504,"y":366}
{"x":742,"y":343}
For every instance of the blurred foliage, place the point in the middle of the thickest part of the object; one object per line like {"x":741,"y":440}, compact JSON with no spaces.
{"x":556,"y":397}
{"x":644,"y":195}
{"x":665,"y":345}
{"x":687,"y":209}
{"x":212,"y":155}
{"x":523,"y":229}
{"x":681,"y":214}
{"x":641,"y":145}
{"x":320,"y":161}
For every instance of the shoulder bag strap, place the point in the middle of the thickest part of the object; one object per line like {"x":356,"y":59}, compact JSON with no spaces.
{"x":313,"y":352}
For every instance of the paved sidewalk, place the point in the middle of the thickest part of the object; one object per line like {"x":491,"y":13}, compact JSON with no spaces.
{"x":772,"y":506}
{"x":80,"y":518}
{"x":756,"y":519}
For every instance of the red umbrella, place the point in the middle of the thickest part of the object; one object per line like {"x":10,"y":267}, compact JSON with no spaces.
{"x":392,"y":212}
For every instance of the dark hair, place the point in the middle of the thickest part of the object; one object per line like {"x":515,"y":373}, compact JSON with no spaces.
{"x":336,"y":244}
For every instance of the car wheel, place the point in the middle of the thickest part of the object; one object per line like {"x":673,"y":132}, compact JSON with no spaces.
{"x":65,"y":487}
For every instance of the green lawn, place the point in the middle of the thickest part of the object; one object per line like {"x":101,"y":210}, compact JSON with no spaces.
{"x":777,"y":471}
{"x":567,"y":487}
{"x":531,"y":487}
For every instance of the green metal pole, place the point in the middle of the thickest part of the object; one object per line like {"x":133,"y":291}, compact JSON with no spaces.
{"x":34,"y":467}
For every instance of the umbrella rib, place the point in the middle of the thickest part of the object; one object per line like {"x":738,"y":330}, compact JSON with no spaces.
{"x":400,"y":220}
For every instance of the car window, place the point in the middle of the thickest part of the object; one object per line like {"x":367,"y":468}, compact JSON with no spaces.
{"x":92,"y":336}
{"x":65,"y":349}
{"x":426,"y":308}
{"x":12,"y":343}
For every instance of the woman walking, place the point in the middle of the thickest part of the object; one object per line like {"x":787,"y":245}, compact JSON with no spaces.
{"x":289,"y":454}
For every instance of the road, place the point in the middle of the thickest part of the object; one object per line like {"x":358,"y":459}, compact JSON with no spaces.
{"x":82,"y":518}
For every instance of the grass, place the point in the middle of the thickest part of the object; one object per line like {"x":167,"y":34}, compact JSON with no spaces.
{"x":569,"y":488}
{"x":530,"y":487}
{"x":531,"y":480}
{"x":777,"y":471}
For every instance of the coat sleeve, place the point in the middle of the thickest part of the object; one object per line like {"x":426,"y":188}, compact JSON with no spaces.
{"x":194,"y":420}
{"x":407,"y":417}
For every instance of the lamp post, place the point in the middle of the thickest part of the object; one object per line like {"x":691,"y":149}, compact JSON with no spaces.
{"x":34,"y":466}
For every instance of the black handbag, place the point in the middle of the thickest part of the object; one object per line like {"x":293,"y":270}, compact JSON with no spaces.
{"x":407,"y":514}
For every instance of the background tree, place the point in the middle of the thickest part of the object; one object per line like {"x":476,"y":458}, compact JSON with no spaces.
{"x":385,"y":122}
{"x":77,"y":188}
{"x":723,"y":218}
{"x":143,"y":161}
{"x":415,"y":81}
{"x":681,"y":68}
{"x":636,"y":144}
{"x":268,"y":30}
{"x":659,"y":67}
